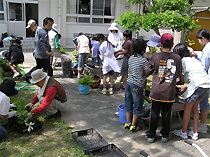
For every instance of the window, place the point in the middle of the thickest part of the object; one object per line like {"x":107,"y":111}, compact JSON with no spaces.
{"x":1,"y":10}
{"x":90,"y":11}
{"x":15,"y":12}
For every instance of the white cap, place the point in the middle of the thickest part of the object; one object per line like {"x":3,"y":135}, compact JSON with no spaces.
{"x":114,"y":26}
{"x":55,"y":27}
{"x":37,"y":76}
{"x":30,"y":22}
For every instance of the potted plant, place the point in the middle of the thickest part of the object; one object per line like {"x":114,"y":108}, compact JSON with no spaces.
{"x":84,"y":84}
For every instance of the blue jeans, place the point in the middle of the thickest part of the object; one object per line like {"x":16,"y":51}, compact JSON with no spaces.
{"x":82,"y":59}
{"x":134,"y":99}
{"x":95,"y":59}
{"x":3,"y":133}
{"x":204,"y":104}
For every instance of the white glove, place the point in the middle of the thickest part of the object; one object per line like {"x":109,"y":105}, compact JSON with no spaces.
{"x":12,"y":105}
{"x":12,"y":114}
{"x":29,"y":105}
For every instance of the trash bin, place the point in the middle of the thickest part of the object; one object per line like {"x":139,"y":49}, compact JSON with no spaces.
{"x":66,"y":65}
{"x":122,"y":113}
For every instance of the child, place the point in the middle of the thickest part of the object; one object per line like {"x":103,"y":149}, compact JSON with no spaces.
{"x":135,"y":83}
{"x":166,"y":68}
{"x":16,"y":55}
{"x":95,"y":49}
{"x":110,"y":64}
{"x":203,"y":37}
{"x":127,"y":51}
{"x":193,"y":73}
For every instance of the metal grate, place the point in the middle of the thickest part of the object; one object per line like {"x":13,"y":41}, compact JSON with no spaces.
{"x":109,"y":150}
{"x":88,"y":139}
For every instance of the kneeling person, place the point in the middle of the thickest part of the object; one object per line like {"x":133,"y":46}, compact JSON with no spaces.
{"x":50,"y":94}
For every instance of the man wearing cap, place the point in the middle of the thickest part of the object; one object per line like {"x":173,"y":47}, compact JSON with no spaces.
{"x":54,"y":44}
{"x":42,"y":52}
{"x":7,"y":89}
{"x":50,"y":94}
{"x":166,"y":68}
{"x":33,"y":26}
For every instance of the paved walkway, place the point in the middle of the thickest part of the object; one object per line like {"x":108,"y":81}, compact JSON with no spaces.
{"x":97,"y":111}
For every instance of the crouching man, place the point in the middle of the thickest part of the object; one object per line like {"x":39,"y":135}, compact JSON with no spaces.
{"x":50,"y":94}
{"x":7,"y":89}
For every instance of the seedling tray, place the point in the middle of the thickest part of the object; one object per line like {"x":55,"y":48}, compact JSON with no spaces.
{"x":88,"y":139}
{"x":107,"y":151}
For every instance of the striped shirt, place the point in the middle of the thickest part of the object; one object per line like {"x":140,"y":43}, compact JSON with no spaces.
{"x":136,"y":66}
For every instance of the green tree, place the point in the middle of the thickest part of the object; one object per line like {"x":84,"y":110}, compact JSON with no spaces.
{"x":175,"y":14}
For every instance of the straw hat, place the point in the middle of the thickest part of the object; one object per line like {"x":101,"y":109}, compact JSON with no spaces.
{"x":114,"y":26}
{"x":30,"y":22}
{"x":8,"y":87}
{"x":37,"y":76}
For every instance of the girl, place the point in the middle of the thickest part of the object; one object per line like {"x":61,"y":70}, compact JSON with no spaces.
{"x":110,"y":64}
{"x":199,"y":84}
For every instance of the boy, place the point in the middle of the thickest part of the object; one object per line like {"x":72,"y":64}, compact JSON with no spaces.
{"x":166,"y":68}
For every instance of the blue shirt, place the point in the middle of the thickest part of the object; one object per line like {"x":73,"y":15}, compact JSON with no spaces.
{"x":204,"y":58}
{"x":96,"y":46}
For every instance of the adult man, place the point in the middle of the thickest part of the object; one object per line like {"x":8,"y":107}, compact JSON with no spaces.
{"x":166,"y":68}
{"x":50,"y":94}
{"x":32,"y":25}
{"x":7,"y":89}
{"x":83,"y":52}
{"x":42,"y":50}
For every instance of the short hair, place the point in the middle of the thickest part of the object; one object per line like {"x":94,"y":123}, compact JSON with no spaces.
{"x":46,"y":19}
{"x":81,"y":33}
{"x":15,"y":41}
{"x":127,"y":34}
{"x":100,"y":37}
{"x":139,"y":45}
{"x":181,"y":50}
{"x":167,"y":44}
{"x":203,"y":33}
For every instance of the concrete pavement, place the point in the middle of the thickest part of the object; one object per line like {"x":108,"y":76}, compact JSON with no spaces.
{"x":97,"y":111}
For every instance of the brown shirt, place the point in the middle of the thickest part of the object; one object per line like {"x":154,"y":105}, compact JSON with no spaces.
{"x":128,"y":46}
{"x":166,"y":68}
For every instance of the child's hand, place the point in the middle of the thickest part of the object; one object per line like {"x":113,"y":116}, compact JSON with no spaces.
{"x":183,"y":89}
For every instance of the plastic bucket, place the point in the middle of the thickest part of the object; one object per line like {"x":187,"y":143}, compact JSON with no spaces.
{"x":84,"y":89}
{"x":122,"y":113}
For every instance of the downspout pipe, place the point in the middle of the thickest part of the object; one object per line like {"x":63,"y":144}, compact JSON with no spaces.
{"x":59,"y":15}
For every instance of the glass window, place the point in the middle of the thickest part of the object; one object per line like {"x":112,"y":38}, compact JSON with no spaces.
{"x":1,"y":16}
{"x":1,"y":5}
{"x":80,"y":11}
{"x":15,"y":12}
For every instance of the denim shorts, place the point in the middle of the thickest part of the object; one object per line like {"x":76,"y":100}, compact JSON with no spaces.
{"x":134,"y":99}
{"x":204,"y":104}
{"x":82,"y":59}
{"x":199,"y":94}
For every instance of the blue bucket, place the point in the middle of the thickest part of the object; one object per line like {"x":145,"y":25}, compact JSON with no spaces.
{"x":122,"y":113}
{"x":84,"y":89}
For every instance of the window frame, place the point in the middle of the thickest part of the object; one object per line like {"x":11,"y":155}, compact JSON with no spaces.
{"x":2,"y":11}
{"x":91,"y":16}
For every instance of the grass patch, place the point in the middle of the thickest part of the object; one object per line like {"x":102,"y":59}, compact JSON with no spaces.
{"x":54,"y":139}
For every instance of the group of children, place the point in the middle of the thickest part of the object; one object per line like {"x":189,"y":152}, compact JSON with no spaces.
{"x":169,"y":69}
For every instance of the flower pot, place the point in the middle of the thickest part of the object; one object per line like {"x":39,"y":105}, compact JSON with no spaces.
{"x":84,"y":89}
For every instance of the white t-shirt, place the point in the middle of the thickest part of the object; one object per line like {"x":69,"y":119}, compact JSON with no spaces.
{"x":194,"y":74}
{"x":84,"y":44}
{"x":4,"y":104}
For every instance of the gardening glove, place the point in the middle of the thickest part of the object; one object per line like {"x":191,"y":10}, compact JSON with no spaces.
{"x":12,"y":114}
{"x":28,"y":107}
{"x":13,"y":106}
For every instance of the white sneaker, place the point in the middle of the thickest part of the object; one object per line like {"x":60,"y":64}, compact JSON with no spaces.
{"x":193,"y":135}
{"x":16,"y":74}
{"x":164,"y":139}
{"x":202,"y":127}
{"x":104,"y":91}
{"x":79,"y":76}
{"x":111,"y":91}
{"x":180,"y":133}
{"x":150,"y":140}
